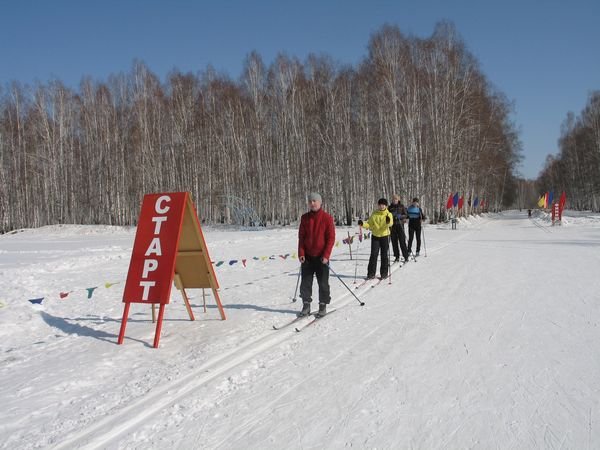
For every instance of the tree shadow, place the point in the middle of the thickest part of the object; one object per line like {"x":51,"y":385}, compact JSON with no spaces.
{"x":253,"y":307}
{"x":68,"y":327}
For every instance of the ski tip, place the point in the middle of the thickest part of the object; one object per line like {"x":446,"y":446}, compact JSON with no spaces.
{"x":362,"y":303}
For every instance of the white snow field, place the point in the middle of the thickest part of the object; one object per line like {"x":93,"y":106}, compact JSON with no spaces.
{"x":491,"y":341}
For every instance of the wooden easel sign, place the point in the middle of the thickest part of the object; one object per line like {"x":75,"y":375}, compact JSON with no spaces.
{"x":169,"y":247}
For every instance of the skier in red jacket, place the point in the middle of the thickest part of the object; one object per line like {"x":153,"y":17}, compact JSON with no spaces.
{"x":316,"y":237}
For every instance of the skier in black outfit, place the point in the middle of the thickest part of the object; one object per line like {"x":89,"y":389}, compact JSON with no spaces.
{"x":415,"y":216}
{"x":400,"y":214}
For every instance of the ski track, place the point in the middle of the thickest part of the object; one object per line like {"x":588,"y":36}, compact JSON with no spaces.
{"x":131,"y":416}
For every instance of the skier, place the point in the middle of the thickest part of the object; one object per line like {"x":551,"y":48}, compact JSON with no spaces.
{"x":415,"y":216}
{"x":316,"y":238}
{"x":379,"y":223}
{"x":400,"y":215}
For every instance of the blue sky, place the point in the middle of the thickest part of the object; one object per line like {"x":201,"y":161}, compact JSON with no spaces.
{"x":545,"y":56}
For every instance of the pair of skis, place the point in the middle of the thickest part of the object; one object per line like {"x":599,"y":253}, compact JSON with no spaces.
{"x":314,"y":318}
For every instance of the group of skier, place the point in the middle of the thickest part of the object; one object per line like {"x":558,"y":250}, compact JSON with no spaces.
{"x":316,"y":238}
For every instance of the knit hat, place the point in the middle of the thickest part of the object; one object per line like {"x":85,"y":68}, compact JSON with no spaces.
{"x":315,"y":196}
{"x":415,"y":200}
{"x":382,"y":201}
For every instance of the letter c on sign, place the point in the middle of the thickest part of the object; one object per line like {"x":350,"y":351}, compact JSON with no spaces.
{"x":158,"y":205}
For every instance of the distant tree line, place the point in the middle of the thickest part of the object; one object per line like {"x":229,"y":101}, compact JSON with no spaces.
{"x":576,"y":168}
{"x":416,"y":117}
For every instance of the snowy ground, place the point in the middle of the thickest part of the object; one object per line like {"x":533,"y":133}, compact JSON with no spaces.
{"x":491,"y":341}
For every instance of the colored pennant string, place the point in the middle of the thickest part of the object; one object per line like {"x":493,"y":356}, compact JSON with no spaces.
{"x":90,"y":291}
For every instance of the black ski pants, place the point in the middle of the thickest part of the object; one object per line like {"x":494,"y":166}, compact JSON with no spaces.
{"x":414,"y":229}
{"x":377,"y":244}
{"x":312,"y":266}
{"x":399,"y":235}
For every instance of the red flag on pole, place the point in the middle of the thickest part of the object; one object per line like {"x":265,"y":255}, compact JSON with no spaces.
{"x":461,"y":202}
{"x":449,"y":202}
{"x":563,"y":200}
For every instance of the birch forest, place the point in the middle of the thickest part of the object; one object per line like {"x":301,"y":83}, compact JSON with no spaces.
{"x":416,"y":116}
{"x":576,"y":168}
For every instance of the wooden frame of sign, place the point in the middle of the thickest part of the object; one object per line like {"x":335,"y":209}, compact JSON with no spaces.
{"x":169,"y":247}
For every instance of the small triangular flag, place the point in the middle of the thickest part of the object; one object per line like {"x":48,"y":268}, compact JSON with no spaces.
{"x":64,"y":294}
{"x":244,"y":262}
{"x":108,"y":285}
{"x":90,"y":291}
{"x":36,"y":301}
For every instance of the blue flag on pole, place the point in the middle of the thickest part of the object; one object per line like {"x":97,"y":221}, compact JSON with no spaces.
{"x":550,"y":198}
{"x":476,"y":202}
{"x":455,"y":200}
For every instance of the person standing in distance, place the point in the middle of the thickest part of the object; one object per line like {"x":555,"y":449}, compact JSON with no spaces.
{"x":316,"y":238}
{"x":379,"y":223}
{"x":398,"y":210}
{"x":415,"y":217}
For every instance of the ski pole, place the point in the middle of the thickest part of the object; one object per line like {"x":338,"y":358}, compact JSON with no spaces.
{"x":360,"y":238}
{"x":297,"y":283}
{"x":424,"y":244}
{"x":389,"y":263}
{"x":346,"y":286}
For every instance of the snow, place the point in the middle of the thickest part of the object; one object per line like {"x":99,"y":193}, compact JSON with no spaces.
{"x":490,"y":341}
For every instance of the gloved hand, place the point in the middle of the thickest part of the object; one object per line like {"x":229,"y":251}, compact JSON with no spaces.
{"x":360,"y":223}
{"x":387,"y":219}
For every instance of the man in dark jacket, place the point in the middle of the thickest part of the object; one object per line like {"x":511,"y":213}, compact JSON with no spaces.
{"x":415,"y":217}
{"x":316,"y":238}
{"x":400,"y":214}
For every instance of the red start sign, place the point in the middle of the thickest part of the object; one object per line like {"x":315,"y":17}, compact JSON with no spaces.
{"x":152,"y":263}
{"x":169,"y":246}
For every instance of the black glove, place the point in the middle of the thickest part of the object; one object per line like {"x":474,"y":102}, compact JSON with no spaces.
{"x":360,"y":222}
{"x":387,"y":219}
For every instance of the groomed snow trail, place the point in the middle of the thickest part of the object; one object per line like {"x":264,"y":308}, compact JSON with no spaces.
{"x":486,"y":343}
{"x":489,"y":342}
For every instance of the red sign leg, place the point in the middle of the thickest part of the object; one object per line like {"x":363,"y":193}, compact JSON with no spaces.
{"x":161,"y":312}
{"x":123,"y":323}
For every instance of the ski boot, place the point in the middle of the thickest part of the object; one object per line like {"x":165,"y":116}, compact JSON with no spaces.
{"x":322,"y":310}
{"x":305,"y":310}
